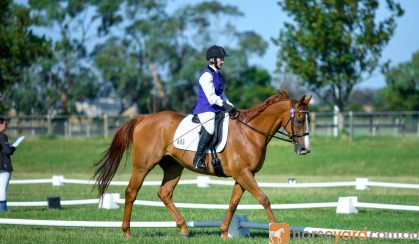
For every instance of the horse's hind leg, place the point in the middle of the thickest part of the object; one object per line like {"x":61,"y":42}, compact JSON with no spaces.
{"x":172,"y":172}
{"x":131,"y":192}
{"x":238,"y":191}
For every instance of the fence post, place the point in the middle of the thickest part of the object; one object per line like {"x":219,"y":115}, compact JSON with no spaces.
{"x":33,"y":130}
{"x":346,"y":205}
{"x":335,"y":121}
{"x":105,"y":125}
{"x":70,"y":129}
{"x":203,"y":181}
{"x":109,"y":201}
{"x":313,"y":123}
{"x":361,"y":184}
{"x":377,"y":125}
{"x":65,"y":129}
{"x":57,"y":180}
{"x":373,"y":127}
{"x":49,"y":125}
{"x":87,"y":129}
{"x":351,"y":126}
{"x":403,"y":124}
{"x":235,"y":230}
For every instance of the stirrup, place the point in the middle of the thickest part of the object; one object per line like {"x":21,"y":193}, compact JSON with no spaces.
{"x":199,"y":164}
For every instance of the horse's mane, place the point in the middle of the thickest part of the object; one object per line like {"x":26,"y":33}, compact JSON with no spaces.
{"x":249,"y":114}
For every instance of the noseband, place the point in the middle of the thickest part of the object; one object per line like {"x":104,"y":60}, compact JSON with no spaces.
{"x":291,"y":138}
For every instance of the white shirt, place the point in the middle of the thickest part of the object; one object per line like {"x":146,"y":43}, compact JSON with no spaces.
{"x":207,"y":84}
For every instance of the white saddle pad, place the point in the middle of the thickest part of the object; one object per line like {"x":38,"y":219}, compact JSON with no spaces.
{"x":187,"y":134}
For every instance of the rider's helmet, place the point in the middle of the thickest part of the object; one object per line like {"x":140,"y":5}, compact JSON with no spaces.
{"x":215,"y":52}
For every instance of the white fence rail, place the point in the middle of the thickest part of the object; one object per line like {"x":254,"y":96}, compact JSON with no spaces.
{"x":206,"y":181}
{"x":344,"y":205}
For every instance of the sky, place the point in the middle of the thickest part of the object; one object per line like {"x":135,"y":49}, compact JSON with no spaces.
{"x":266,"y":18}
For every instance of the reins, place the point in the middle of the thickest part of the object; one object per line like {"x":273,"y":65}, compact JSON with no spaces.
{"x":264,"y":133}
{"x":270,"y":136}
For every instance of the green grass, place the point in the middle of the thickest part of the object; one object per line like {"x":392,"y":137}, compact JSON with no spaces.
{"x":379,"y":159}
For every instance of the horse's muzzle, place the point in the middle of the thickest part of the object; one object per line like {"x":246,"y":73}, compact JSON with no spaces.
{"x":302,"y":151}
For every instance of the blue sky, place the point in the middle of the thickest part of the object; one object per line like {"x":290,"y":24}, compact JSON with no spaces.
{"x":266,"y":18}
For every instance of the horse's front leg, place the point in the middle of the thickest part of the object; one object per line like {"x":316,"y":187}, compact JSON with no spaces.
{"x":236,"y":195}
{"x":247,"y":180}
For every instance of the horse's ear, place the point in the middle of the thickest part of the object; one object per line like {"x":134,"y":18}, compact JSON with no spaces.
{"x":302,"y":99}
{"x":307,"y":100}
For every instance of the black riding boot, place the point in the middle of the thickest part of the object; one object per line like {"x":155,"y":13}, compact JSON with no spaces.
{"x":204,"y":140}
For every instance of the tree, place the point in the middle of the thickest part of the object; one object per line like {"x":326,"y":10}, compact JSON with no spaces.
{"x":157,"y":56}
{"x":252,"y":86}
{"x":402,"y":91}
{"x":129,"y":81}
{"x":19,"y":48}
{"x":137,"y":50}
{"x":333,"y":45}
{"x":69,"y":71}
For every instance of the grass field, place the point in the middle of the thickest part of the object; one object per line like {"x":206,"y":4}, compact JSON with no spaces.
{"x":379,"y":159}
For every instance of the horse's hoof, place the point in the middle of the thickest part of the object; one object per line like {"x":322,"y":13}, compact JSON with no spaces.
{"x":127,"y":234}
{"x":184,"y":235}
{"x":224,"y":236}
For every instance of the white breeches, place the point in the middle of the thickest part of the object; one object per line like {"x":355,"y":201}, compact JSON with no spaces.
{"x":207,"y":120}
{"x":4,"y":182}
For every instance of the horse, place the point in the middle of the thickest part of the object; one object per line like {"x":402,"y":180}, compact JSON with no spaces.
{"x":150,"y":138}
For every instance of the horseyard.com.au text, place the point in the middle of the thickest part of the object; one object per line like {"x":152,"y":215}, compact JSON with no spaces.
{"x":281,"y":233}
{"x":361,"y":235}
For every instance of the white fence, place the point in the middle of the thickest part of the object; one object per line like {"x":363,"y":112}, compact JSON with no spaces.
{"x":239,"y":226}
{"x":397,"y":124}
{"x":206,"y":181}
{"x":343,"y":205}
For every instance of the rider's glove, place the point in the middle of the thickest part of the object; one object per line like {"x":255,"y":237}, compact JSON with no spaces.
{"x":229,"y":109}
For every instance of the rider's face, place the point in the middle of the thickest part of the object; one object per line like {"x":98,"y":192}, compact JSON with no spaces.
{"x":3,"y":126}
{"x":219,"y":62}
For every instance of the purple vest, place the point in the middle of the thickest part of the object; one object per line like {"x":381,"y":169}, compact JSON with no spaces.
{"x":202,"y":105}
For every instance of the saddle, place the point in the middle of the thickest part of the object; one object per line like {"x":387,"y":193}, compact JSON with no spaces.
{"x":218,"y":128}
{"x":187,"y":134}
{"x":187,"y":137}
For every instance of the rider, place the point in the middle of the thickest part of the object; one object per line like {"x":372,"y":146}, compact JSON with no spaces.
{"x":211,"y":99}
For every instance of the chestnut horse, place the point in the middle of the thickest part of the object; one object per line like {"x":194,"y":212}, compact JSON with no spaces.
{"x":150,"y":137}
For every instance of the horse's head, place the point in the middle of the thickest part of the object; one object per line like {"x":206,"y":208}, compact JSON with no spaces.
{"x":298,"y":124}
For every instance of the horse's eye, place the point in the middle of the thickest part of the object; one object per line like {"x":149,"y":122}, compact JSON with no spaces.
{"x":300,"y":122}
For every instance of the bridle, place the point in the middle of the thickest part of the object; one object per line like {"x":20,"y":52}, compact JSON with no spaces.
{"x":291,"y":138}
{"x":292,"y":118}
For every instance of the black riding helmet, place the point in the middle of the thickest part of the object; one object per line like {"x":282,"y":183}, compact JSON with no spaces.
{"x":216,"y":52}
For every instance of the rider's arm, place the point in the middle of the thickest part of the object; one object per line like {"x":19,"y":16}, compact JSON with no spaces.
{"x":207,"y":84}
{"x":5,"y":147}
{"x":223,"y":96}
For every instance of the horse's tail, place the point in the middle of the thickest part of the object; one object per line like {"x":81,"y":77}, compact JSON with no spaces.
{"x":106,"y":167}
